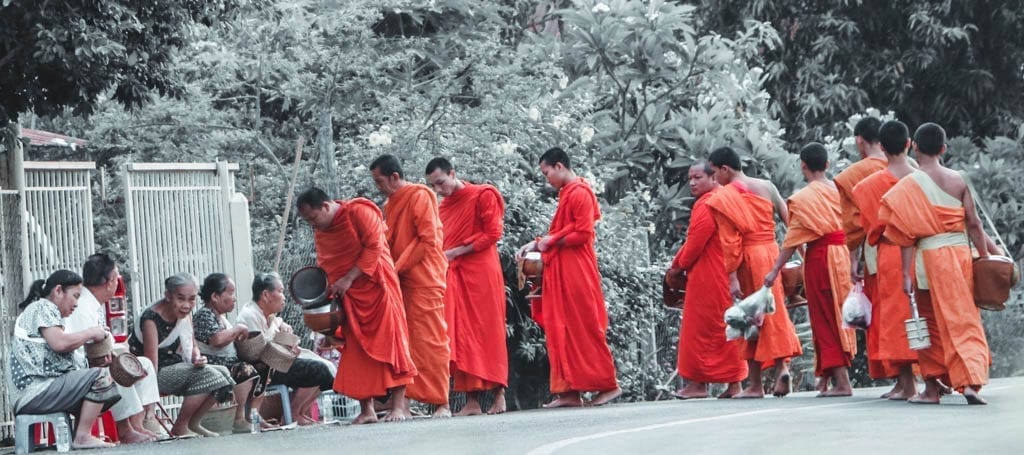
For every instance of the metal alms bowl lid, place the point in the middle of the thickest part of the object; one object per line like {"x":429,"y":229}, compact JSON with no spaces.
{"x":309,"y":286}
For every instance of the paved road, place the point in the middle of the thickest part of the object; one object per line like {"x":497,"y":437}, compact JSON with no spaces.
{"x":861,"y":424}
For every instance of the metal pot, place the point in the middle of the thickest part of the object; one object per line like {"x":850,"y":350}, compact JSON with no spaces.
{"x":309,"y":287}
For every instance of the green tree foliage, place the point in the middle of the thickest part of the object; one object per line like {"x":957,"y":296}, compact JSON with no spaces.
{"x":66,"y":54}
{"x":958,"y":63}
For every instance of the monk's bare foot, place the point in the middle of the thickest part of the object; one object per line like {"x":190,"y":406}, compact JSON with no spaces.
{"x":836,"y":392}
{"x":606,"y":397}
{"x":442,"y":412}
{"x":692,"y":390}
{"x":924,"y":398}
{"x":783,"y":386}
{"x":90,"y":442}
{"x":135,"y":437}
{"x":365,"y":418}
{"x":565,"y":401}
{"x":896,"y":389}
{"x":943,"y":388}
{"x":398,"y":414}
{"x":305,"y":421}
{"x":732,"y":390}
{"x":971,"y":394}
{"x":750,"y":392}
{"x":822,"y":385}
{"x":472,"y":408}
{"x":498,"y":407}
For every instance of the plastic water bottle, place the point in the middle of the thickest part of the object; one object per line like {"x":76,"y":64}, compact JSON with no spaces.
{"x":254,"y":421}
{"x":62,"y":435}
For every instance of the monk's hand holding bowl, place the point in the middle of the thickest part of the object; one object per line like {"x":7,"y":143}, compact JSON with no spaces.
{"x":769,"y":279}
{"x":521,"y":254}
{"x":339,"y":287}
{"x":908,"y":284}
{"x":545,"y":243}
{"x":734,"y":287}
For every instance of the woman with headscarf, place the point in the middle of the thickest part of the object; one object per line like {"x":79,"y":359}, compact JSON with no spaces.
{"x":164,"y":335}
{"x":42,"y":364}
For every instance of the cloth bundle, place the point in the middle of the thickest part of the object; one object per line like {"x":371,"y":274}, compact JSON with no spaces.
{"x":745,"y":317}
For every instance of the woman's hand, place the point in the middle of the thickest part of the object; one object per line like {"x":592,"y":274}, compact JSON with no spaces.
{"x":199,"y":361}
{"x":521,"y":254}
{"x":98,"y":334}
{"x":241,"y":332}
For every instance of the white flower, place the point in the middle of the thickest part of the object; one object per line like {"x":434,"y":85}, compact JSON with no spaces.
{"x":559,"y":121}
{"x":671,"y":58}
{"x":600,"y":8}
{"x":563,"y":82}
{"x":534,"y":113}
{"x":756,"y":72}
{"x":650,"y":228}
{"x":378,"y":138}
{"x":646,"y":196}
{"x":384,"y":128}
{"x":586,"y":134}
{"x":507,"y":148}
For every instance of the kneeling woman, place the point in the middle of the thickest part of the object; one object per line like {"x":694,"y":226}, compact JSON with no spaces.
{"x":42,"y":365}
{"x":309,"y":375}
{"x":164,"y":334}
{"x":216,"y":337}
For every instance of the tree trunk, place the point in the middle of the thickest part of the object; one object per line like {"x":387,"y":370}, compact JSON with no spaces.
{"x":325,"y":148}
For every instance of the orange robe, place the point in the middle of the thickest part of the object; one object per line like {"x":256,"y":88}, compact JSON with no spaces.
{"x":376,"y":355}
{"x":474,"y":302}
{"x":571,"y":309}
{"x":704,"y":354}
{"x":916,"y":211}
{"x":414,"y":234}
{"x":846,"y":181}
{"x":815,"y":219}
{"x":890,"y":306}
{"x":746,"y":227}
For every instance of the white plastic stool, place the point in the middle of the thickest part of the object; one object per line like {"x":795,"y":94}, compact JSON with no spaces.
{"x":286,"y":401}
{"x":23,"y":423}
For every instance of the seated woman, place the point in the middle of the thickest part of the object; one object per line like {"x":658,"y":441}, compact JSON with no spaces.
{"x":215,"y":338}
{"x":307,"y":376}
{"x":164,"y":335}
{"x":42,"y":362}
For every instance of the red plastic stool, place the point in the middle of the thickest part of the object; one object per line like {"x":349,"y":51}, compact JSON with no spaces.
{"x":105,"y":427}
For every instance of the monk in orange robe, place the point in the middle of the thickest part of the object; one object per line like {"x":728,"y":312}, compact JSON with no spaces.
{"x":744,"y":210}
{"x":473,"y":219}
{"x":571,"y":309}
{"x":815,"y":220}
{"x":930,"y":209}
{"x":890,"y":306}
{"x":415,"y":237}
{"x":704,"y":354}
{"x":351,"y":248}
{"x":872,"y":160}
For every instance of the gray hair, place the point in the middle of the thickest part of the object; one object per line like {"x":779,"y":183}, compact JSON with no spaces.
{"x":173,"y":282}
{"x":264,"y":282}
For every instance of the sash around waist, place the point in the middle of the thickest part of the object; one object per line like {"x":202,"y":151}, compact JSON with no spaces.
{"x":759,"y":238}
{"x":832,"y":238}
{"x":942,"y":240}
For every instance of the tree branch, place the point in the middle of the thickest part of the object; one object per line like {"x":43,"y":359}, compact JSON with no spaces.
{"x":10,"y":55}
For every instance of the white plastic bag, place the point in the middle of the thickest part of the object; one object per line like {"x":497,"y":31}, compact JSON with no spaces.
{"x":746,"y":316}
{"x":857,"y":309}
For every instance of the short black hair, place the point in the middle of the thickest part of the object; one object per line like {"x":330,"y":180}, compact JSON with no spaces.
{"x":264,"y":282}
{"x":387,"y":165}
{"x":893,"y":135}
{"x":725,"y":156}
{"x":930,"y":138}
{"x":43,"y":288}
{"x":215,"y":283}
{"x":312,"y":197}
{"x":814,"y":156}
{"x":704,"y":166}
{"x":867,"y":128}
{"x":96,"y":270}
{"x":439,"y":163}
{"x":555,"y":155}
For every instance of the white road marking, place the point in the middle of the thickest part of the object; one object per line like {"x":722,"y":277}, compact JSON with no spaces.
{"x":550,"y":448}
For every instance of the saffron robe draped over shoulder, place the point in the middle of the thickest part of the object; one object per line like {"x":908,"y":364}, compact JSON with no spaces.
{"x":846,"y":181}
{"x":746,"y":228}
{"x":890,"y":306}
{"x":815,"y":219}
{"x":571,"y":309}
{"x":475,"y":298}
{"x":917,"y":212}
{"x":376,"y":354}
{"x":415,"y":236}
{"x":704,"y":354}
